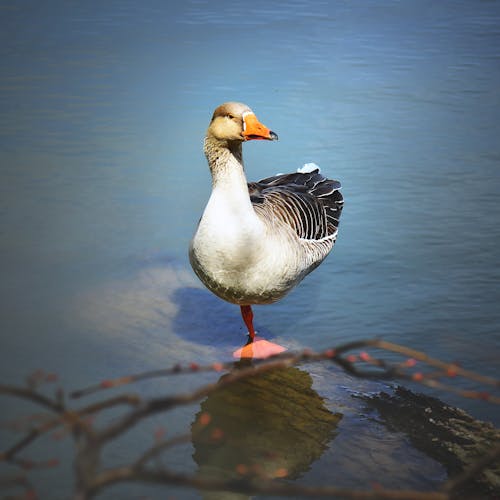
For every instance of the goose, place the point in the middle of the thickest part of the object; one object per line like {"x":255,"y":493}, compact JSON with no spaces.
{"x":256,"y":241}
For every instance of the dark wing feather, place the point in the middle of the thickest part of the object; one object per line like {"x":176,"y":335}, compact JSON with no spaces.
{"x":309,"y":203}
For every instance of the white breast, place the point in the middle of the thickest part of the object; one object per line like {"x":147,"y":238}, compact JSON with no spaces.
{"x":236,"y":257}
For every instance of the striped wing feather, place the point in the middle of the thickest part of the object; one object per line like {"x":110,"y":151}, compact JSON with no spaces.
{"x":309,"y":203}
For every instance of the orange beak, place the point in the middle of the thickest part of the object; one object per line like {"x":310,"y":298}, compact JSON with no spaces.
{"x":253,"y":129}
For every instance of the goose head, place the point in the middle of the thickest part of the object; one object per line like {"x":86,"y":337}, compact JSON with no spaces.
{"x":236,"y":122}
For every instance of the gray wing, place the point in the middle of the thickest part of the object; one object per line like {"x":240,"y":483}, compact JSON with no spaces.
{"x":309,"y":203}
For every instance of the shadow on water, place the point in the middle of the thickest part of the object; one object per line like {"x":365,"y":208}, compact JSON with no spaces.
{"x":274,"y":425}
{"x":205,"y":319}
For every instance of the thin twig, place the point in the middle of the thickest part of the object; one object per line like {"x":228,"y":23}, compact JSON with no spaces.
{"x":159,"y":448}
{"x":10,"y":453}
{"x":436,"y":384}
{"x":412,"y":353}
{"x":162,"y":404}
{"x":31,"y":395}
{"x":384,"y":371}
{"x":253,"y":486}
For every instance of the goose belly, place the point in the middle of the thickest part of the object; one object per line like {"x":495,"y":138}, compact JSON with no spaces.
{"x":245,"y":272}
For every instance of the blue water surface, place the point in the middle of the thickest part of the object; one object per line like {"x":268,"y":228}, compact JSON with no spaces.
{"x":103,"y":110}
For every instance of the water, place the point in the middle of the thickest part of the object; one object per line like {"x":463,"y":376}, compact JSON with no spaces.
{"x":103,"y":112}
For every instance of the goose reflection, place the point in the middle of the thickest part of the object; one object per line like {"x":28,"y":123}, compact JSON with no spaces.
{"x":274,"y":425}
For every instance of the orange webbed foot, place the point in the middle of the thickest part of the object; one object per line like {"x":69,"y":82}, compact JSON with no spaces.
{"x":258,"y":349}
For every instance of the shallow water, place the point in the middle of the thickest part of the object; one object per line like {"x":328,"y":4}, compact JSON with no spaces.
{"x":103,"y":112}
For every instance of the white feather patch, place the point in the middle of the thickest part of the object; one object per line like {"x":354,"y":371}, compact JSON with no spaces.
{"x":307,"y":168}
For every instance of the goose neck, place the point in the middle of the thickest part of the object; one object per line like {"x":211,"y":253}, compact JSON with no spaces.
{"x":226,"y":164}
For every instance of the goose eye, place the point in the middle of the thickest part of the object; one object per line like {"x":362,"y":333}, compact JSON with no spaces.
{"x":231,"y":117}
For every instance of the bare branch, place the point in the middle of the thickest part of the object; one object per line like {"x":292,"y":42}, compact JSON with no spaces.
{"x":447,"y":367}
{"x":159,"y":448}
{"x":436,"y":384}
{"x":253,"y":486}
{"x":162,"y":404}
{"x":348,"y":356}
{"x":123,"y":399}
{"x":10,"y":453}
{"x":353,"y":364}
{"x":31,"y":395}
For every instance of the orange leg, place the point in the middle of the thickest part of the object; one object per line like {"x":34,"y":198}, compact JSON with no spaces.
{"x":247,"y":315}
